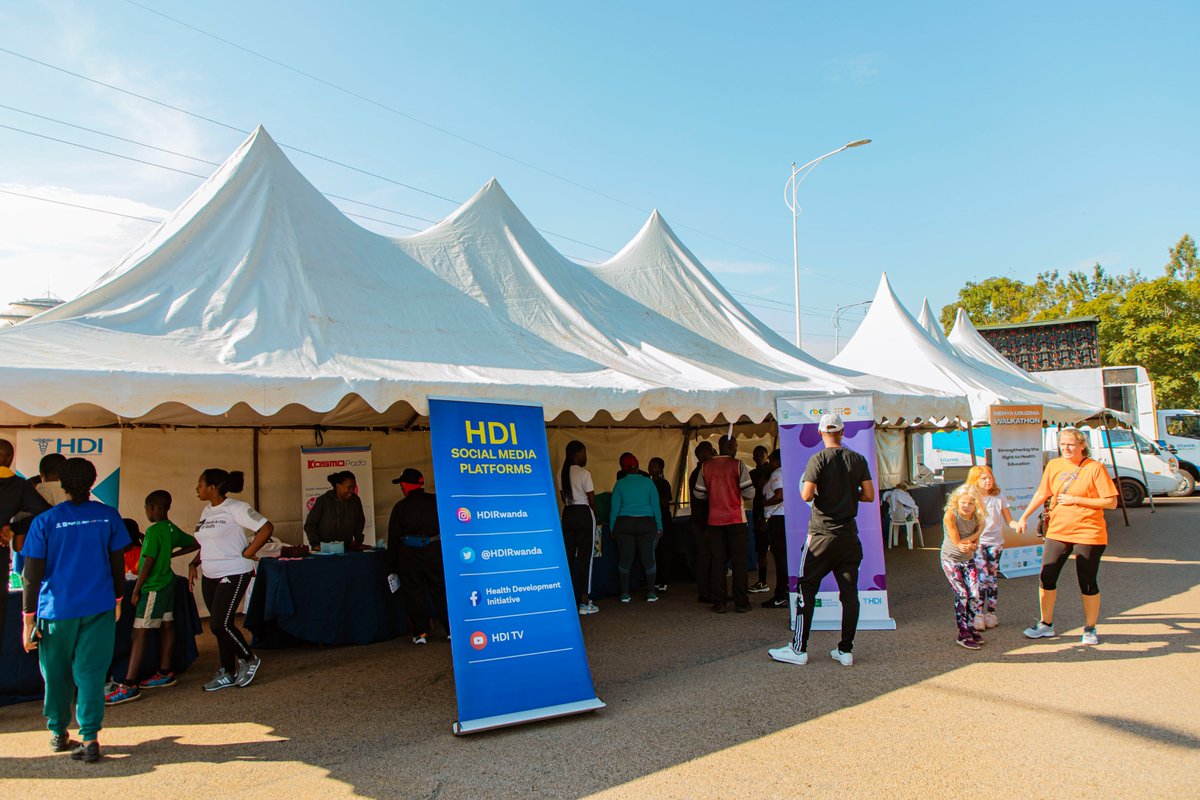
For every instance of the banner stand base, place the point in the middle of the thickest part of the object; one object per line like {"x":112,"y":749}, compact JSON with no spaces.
{"x":518,"y":717}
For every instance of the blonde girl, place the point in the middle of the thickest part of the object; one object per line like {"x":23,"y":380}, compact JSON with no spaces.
{"x":962,"y":523}
{"x":991,"y":543}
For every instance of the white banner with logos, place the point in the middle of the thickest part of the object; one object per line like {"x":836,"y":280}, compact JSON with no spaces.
{"x":101,"y":446}
{"x":318,"y":463}
{"x":1017,"y":465}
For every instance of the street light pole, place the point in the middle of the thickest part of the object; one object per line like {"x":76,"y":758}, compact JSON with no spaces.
{"x":789,"y":199}
{"x":837,"y":321}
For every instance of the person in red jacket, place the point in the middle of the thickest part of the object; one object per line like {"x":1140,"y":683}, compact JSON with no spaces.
{"x":725,"y":482}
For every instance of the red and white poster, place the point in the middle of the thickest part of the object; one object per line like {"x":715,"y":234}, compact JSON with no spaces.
{"x":318,"y":463}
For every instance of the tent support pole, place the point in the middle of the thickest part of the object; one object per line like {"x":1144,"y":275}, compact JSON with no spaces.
{"x":257,"y":502}
{"x":1142,"y":467}
{"x":971,"y":442}
{"x":680,"y":475}
{"x":1120,"y":494}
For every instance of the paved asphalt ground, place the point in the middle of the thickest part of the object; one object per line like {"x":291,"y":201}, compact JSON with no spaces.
{"x":697,"y":709}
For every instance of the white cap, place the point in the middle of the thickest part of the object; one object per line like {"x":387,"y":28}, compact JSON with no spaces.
{"x":830,"y":423}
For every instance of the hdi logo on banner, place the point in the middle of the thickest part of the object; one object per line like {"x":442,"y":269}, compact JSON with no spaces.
{"x":101,"y":446}
{"x":515,"y":637}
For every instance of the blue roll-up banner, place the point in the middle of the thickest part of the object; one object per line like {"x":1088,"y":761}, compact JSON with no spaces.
{"x":514,"y":627}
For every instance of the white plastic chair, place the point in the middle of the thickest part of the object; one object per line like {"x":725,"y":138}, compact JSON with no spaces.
{"x":903,"y":511}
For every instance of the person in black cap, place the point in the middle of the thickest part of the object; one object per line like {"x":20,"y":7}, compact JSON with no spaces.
{"x":835,"y":481}
{"x":414,"y":554}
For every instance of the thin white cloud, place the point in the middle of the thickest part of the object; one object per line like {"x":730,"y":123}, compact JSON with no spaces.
{"x":61,"y":250}
{"x":858,"y":69}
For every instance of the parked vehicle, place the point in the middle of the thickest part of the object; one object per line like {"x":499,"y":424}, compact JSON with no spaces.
{"x":1179,"y":432}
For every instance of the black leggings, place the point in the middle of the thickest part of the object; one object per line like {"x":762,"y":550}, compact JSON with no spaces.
{"x":1087,"y":564}
{"x":578,"y":536}
{"x":223,"y":596}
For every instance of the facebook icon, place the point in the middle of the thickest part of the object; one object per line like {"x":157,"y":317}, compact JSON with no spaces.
{"x":474,"y":598}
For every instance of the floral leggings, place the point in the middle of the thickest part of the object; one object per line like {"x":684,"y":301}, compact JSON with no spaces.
{"x":987,"y":564}
{"x":964,"y":580}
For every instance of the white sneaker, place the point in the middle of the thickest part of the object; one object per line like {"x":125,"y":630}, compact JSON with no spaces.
{"x":990,"y":620}
{"x":1089,"y":636}
{"x":788,"y":655}
{"x":222,"y":680}
{"x":845,"y":659}
{"x":1040,"y":631}
{"x":980,"y":623}
{"x":420,"y":639}
{"x":588,"y":608}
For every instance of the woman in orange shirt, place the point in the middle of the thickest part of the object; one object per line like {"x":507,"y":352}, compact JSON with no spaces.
{"x":1080,"y":490}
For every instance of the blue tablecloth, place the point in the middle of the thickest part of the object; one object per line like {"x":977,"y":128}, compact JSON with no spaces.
{"x":20,"y":678}
{"x":324,"y":599}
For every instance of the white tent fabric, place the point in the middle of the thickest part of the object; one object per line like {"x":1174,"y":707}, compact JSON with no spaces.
{"x":890,"y":342}
{"x":259,"y":303}
{"x":970,"y":346}
{"x":930,"y":323}
{"x":658,"y":271}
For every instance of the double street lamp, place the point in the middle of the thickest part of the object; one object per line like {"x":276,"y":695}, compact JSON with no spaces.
{"x":789,"y":198}
{"x":837,"y":322}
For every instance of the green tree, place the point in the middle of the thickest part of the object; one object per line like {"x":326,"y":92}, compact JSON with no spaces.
{"x":1184,"y":263}
{"x":994,"y":301}
{"x":1158,"y":327}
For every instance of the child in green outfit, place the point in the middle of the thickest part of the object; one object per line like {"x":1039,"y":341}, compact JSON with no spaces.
{"x":154,"y":598}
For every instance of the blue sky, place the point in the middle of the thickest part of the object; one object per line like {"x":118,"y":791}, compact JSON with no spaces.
{"x":1008,"y":139}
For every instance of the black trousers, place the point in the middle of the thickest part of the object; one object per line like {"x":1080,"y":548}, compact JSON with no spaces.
{"x":825,"y":553}
{"x":422,"y":579}
{"x":223,"y":596}
{"x":664,"y":554}
{"x":703,"y":563}
{"x":777,"y":535}
{"x":578,"y":532}
{"x":729,"y":543}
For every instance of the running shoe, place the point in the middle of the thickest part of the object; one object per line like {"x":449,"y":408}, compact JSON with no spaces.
{"x":625,"y":598}
{"x":660,"y":587}
{"x":122,"y":694}
{"x":775,"y":602}
{"x":746,"y":609}
{"x":60,"y":742}
{"x":420,"y":638}
{"x":1040,"y":631}
{"x":788,"y":655}
{"x":1089,"y":636}
{"x":990,"y":620}
{"x":246,"y":671}
{"x":588,"y":608}
{"x":968,"y":642}
{"x":159,"y":680}
{"x":651,"y":597}
{"x":89,"y":752}
{"x":222,"y":680}
{"x":845,"y":659}
{"x":719,"y":608}
{"x":980,"y":623}
{"x":759,"y":587}
{"x":975,"y":635}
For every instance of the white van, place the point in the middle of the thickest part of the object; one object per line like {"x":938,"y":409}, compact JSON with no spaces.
{"x":1162,"y":469}
{"x":1179,"y":432}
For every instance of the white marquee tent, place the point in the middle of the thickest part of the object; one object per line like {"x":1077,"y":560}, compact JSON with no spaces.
{"x":258,"y":307}
{"x":892,"y":343}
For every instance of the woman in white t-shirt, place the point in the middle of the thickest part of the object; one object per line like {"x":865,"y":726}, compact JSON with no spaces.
{"x":991,"y":543}
{"x":227,"y":562}
{"x":579,"y":521}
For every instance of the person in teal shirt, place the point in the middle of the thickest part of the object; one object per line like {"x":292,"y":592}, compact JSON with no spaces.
{"x":636,"y":523}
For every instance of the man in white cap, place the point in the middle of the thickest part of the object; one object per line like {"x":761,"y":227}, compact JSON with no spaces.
{"x":835,"y":481}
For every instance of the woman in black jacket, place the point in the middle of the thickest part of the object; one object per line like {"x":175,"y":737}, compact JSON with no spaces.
{"x":337,"y":515}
